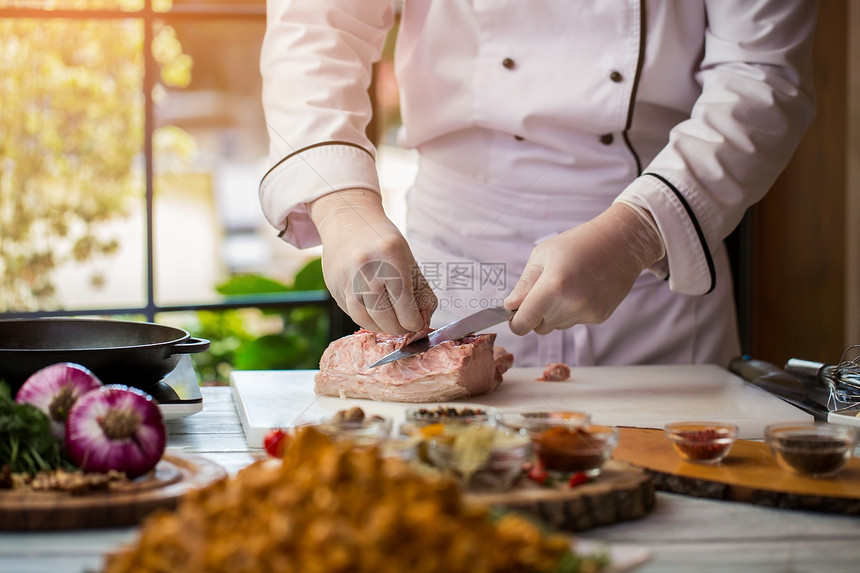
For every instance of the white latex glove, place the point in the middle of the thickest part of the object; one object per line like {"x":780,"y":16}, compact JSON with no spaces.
{"x":582,"y":275}
{"x":367,"y":264}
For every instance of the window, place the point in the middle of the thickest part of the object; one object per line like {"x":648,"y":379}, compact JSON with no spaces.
{"x":132,"y":142}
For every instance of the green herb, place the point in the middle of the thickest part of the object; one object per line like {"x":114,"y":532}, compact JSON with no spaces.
{"x":573,"y":562}
{"x":26,"y":443}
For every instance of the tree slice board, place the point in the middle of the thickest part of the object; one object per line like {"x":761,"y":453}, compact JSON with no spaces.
{"x":621,"y":492}
{"x":748,"y":474}
{"x":174,"y":476}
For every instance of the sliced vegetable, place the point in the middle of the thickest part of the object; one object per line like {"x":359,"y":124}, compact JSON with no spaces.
{"x":54,"y":389}
{"x":116,"y":427}
{"x":276,"y":442}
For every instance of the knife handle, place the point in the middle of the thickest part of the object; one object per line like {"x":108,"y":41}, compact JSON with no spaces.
{"x":769,"y":377}
{"x":750,"y":368}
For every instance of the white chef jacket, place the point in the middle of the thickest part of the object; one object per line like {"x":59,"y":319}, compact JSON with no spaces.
{"x":532,"y":117}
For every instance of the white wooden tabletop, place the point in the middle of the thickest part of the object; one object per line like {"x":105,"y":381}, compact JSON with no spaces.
{"x":685,"y":534}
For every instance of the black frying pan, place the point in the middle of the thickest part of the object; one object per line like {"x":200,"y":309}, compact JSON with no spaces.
{"x":118,"y":352}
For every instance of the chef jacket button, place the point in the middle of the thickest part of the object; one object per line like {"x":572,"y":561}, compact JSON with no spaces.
{"x":606,"y":138}
{"x":616,"y":76}
{"x":519,"y":137}
{"x":508,"y":63}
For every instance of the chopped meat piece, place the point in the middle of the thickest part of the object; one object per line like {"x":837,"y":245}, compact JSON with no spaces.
{"x":448,"y":371}
{"x":504,"y":360}
{"x":555,"y":372}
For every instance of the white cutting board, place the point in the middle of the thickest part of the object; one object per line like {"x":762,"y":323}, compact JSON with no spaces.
{"x":640,"y":396}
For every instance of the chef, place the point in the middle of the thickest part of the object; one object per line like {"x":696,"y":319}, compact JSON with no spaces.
{"x":580,"y":161}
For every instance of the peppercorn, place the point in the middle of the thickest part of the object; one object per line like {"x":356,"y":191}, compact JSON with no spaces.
{"x":813,"y":454}
{"x":448,"y":412}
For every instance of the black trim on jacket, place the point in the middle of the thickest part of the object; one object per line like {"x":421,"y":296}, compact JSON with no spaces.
{"x":643,"y":22}
{"x":303,"y":149}
{"x":696,"y":226}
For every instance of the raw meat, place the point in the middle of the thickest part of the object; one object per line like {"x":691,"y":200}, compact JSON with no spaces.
{"x":555,"y":372}
{"x":504,"y":361}
{"x":448,"y":371}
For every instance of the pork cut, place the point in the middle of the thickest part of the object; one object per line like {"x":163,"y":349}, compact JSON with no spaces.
{"x":447,"y":371}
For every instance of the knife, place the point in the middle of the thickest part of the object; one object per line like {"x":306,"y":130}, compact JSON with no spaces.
{"x":457,"y":329}
{"x":780,"y":383}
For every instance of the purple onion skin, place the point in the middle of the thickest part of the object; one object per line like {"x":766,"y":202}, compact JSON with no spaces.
{"x":139,"y":423}
{"x":54,"y":389}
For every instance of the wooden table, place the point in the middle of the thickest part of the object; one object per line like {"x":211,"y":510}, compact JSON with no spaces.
{"x":685,"y":534}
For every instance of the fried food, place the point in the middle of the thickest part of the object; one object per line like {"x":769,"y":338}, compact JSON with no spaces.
{"x":332,"y":507}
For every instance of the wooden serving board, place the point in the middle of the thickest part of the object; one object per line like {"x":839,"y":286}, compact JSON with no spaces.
{"x":748,"y":474}
{"x":174,"y":476}
{"x":621,"y":492}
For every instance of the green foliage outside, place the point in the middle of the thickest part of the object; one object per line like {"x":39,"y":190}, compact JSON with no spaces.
{"x":253,"y":339}
{"x":71,"y":143}
{"x":71,"y":164}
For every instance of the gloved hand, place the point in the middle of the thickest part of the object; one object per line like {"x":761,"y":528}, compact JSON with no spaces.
{"x":582,"y":275}
{"x":367,"y":264}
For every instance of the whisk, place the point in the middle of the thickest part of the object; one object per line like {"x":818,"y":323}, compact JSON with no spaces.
{"x":847,"y":374}
{"x":841,"y":380}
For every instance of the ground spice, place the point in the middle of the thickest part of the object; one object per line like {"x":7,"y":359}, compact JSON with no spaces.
{"x":569,"y":449}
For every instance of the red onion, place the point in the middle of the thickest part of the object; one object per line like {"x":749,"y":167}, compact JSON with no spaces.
{"x":54,"y":389}
{"x":116,"y":428}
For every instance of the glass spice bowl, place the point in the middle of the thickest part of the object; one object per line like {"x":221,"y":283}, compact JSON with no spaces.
{"x":447,"y":413}
{"x":702,"y":442}
{"x":362,"y":431}
{"x":565,"y":443}
{"x":530,"y":423}
{"x":563,"y":451}
{"x":398,"y":448}
{"x":816,"y":450}
{"x":481,"y":456}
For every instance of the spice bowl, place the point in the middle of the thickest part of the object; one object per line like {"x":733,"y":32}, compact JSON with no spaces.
{"x":702,"y":442}
{"x":564,"y":451}
{"x":396,"y":448}
{"x":362,"y":430}
{"x":565,"y":443}
{"x":815,"y":450}
{"x":450,"y":413}
{"x":480,"y":456}
{"x":532,"y":423}
{"x":427,"y":421}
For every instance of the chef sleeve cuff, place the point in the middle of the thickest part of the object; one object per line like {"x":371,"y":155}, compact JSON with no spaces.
{"x":688,"y":262}
{"x":308,"y":174}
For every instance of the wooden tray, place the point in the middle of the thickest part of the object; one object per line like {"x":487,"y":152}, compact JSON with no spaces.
{"x":749,"y":474}
{"x":174,"y":476}
{"x":621,"y":492}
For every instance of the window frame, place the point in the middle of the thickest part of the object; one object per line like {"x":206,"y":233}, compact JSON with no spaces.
{"x":339,"y":323}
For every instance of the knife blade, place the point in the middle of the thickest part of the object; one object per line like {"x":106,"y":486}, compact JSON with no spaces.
{"x":458,"y":329}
